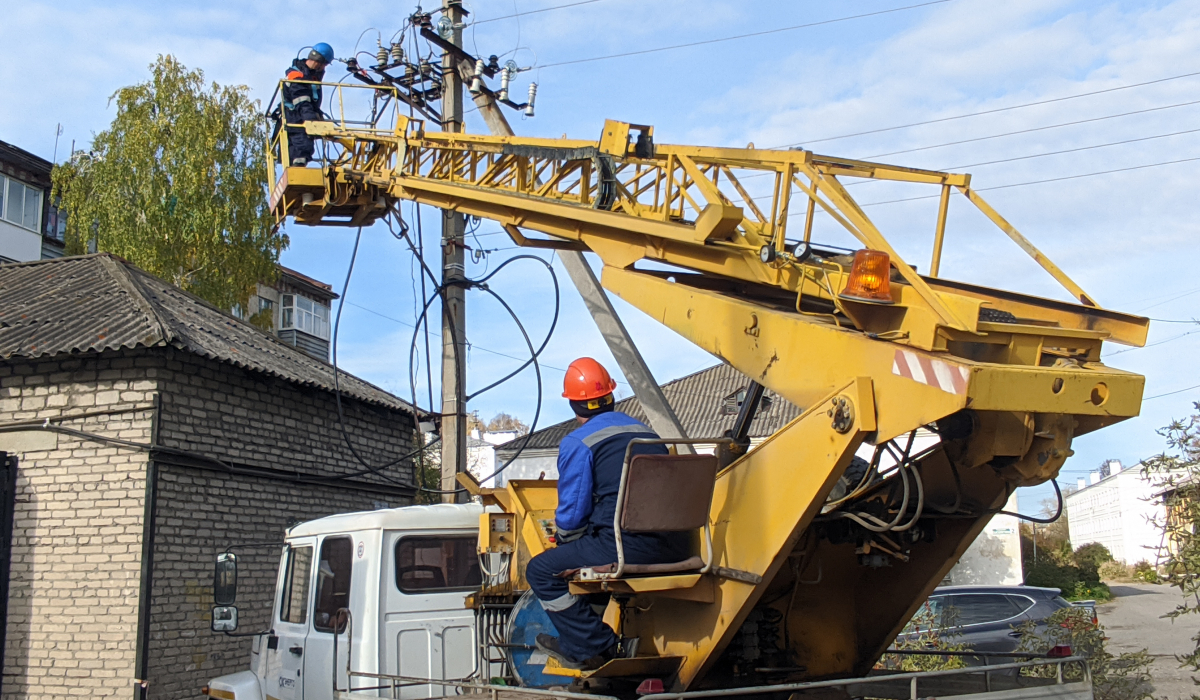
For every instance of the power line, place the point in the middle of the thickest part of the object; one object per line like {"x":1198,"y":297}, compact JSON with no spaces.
{"x":1170,"y":393}
{"x":1150,"y":345}
{"x":993,"y":111}
{"x":744,"y":36}
{"x":1031,"y":130}
{"x":1031,"y":182}
{"x":534,"y":12}
{"x":1071,"y":150}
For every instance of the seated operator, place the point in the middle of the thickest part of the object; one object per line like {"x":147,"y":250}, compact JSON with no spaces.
{"x":589,"y":473}
{"x":302,"y":101}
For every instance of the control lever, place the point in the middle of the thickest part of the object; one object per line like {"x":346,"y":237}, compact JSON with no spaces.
{"x":297,"y":650}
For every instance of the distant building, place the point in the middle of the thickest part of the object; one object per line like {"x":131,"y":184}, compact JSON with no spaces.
{"x":30,"y":227}
{"x":1122,"y":511}
{"x":300,"y":311}
{"x":481,"y":454}
{"x":707,"y":404}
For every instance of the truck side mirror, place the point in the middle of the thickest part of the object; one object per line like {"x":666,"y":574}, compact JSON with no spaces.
{"x":225,"y":581}
{"x":224,"y":618}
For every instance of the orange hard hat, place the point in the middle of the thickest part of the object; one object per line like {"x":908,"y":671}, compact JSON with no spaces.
{"x":587,"y":379}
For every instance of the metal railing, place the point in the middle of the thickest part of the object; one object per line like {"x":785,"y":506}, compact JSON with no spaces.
{"x":380,"y":104}
{"x":861,"y":686}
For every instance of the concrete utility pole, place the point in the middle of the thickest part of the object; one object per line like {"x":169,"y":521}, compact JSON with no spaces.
{"x":454,"y":307}
{"x":660,"y":414}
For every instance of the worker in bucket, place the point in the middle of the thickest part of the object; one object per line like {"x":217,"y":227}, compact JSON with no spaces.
{"x":589,"y":473}
{"x":302,"y":101}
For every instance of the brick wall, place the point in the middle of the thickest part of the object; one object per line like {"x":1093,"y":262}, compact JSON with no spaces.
{"x":256,"y":419}
{"x":73,"y":601}
{"x":200,"y":513}
{"x":263,"y":422}
{"x":77,"y":554}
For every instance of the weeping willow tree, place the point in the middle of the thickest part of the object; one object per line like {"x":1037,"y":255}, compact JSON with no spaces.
{"x":176,"y":185}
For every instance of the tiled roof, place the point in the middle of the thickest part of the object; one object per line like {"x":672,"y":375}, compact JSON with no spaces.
{"x":698,"y":400}
{"x":92,"y":303}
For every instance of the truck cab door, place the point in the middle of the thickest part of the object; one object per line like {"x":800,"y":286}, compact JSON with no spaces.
{"x":285,"y":644}
{"x":331,"y":599}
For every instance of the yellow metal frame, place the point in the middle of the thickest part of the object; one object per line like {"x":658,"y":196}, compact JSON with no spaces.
{"x":1019,"y":375}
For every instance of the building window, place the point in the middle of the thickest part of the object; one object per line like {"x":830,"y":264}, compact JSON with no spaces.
{"x":305,"y":315}
{"x":265,"y":304}
{"x":56,"y":224}
{"x":21,"y":204}
{"x":733,"y":403}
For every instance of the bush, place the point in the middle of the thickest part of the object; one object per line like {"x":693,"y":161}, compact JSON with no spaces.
{"x":1113,"y":570}
{"x":926,"y":632}
{"x":1092,"y":555}
{"x":1123,"y":677}
{"x":1145,"y":571}
{"x":1061,"y":576}
{"x":1097,"y":592}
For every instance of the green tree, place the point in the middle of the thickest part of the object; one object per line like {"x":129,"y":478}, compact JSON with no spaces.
{"x":177,"y":186}
{"x":1177,"y":472}
{"x":1114,"y":676}
{"x":503,"y":422}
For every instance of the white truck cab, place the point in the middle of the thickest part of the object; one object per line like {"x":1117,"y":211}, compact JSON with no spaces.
{"x":402,"y":574}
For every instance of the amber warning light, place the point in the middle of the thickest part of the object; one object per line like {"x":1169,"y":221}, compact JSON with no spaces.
{"x":870,"y":278}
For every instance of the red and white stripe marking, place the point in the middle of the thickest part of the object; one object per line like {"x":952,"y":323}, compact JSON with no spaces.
{"x":926,"y":370}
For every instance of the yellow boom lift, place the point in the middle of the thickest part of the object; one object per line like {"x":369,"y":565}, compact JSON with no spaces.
{"x":868,"y":348}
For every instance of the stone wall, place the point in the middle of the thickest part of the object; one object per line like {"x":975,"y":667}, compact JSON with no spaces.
{"x":76,"y":558}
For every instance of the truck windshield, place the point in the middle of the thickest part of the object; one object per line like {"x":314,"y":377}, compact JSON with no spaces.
{"x":431,"y":564}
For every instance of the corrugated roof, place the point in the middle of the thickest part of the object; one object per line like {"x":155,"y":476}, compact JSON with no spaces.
{"x":92,"y":303}
{"x":698,"y":400}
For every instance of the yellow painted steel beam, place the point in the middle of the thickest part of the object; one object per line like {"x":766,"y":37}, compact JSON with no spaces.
{"x":802,"y":358}
{"x":761,"y":505}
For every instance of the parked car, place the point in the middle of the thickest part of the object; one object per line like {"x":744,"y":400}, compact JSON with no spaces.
{"x":987,"y":618}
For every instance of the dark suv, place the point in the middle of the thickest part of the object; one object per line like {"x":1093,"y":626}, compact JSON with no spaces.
{"x":983,"y":618}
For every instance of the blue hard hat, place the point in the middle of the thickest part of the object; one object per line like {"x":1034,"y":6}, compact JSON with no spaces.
{"x":323,"y":51}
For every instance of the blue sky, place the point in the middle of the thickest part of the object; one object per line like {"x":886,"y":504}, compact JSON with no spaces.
{"x":1129,"y":238}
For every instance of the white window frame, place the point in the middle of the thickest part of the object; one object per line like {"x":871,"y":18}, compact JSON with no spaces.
{"x":7,"y":201}
{"x":303,"y":314}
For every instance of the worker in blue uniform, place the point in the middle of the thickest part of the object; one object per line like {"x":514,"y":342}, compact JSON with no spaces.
{"x":590,"y":460}
{"x":302,"y":101}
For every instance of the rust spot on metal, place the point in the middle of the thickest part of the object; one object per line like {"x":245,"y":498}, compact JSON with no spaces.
{"x":773,"y":360}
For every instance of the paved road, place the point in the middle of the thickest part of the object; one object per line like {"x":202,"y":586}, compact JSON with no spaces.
{"x":1134,"y":621}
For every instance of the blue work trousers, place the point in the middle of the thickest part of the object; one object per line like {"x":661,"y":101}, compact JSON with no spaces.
{"x":300,"y":144}
{"x":582,"y":633}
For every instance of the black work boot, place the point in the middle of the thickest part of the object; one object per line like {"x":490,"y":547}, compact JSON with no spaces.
{"x":549,"y":645}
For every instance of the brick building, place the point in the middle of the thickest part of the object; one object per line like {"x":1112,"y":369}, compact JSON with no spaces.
{"x":150,"y":431}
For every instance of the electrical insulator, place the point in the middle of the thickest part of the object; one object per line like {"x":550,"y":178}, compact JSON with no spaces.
{"x":381,"y":55}
{"x":532,"y":97}
{"x":477,"y":81}
{"x":397,"y":53}
{"x":505,"y":75}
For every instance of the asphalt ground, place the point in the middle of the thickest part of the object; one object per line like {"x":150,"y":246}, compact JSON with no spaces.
{"x":1134,"y":621}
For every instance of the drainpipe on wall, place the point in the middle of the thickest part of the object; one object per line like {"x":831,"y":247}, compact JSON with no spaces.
{"x":142,"y":661}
